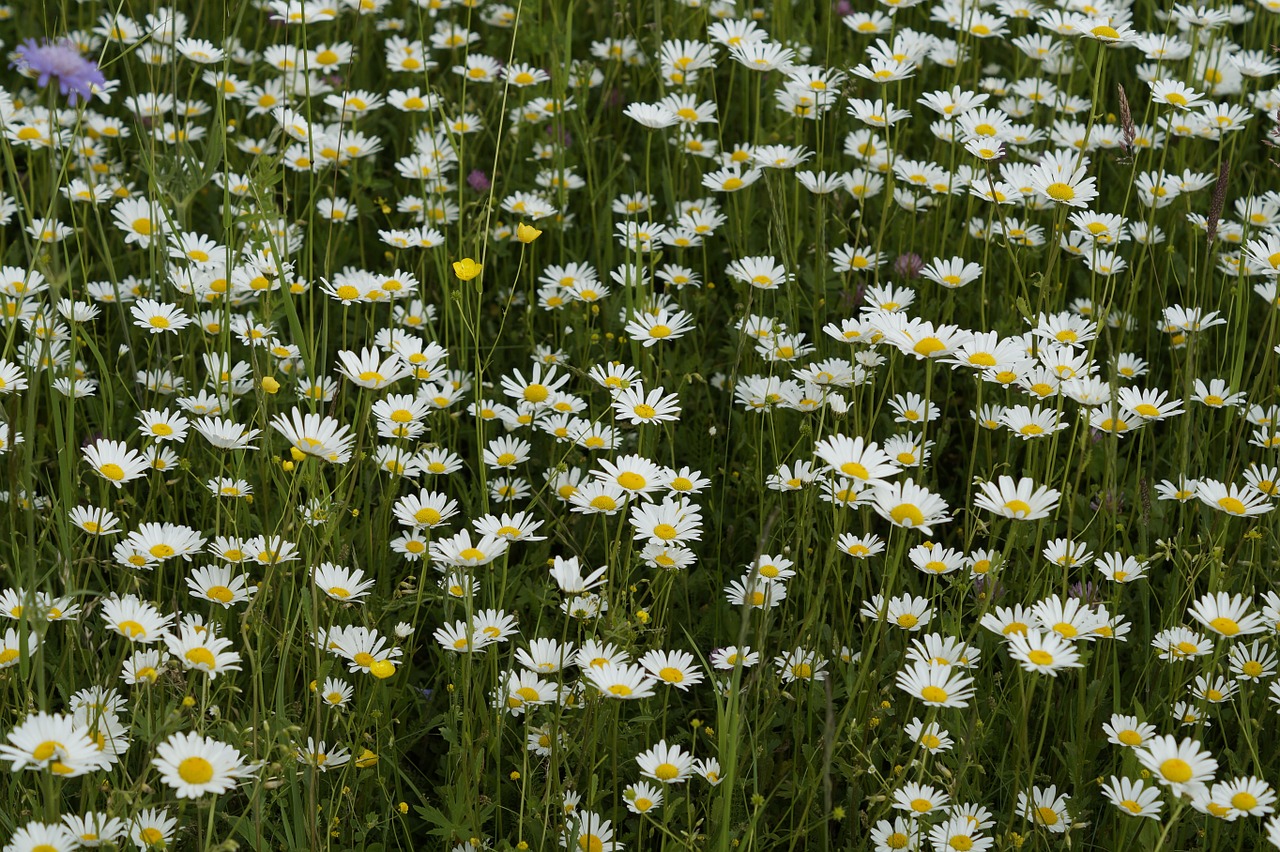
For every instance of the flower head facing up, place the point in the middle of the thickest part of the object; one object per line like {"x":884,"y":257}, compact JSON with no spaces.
{"x":76,"y":75}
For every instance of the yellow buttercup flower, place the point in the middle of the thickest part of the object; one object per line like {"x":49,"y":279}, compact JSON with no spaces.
{"x":466,"y":269}
{"x":525,"y":233}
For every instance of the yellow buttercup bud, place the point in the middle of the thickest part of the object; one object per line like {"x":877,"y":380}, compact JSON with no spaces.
{"x":466,"y":269}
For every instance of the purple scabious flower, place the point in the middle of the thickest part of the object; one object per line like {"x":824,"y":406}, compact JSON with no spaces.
{"x":76,"y":75}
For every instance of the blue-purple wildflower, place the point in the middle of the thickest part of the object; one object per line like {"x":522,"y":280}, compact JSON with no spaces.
{"x":76,"y":75}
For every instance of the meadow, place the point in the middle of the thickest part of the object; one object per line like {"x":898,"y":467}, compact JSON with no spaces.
{"x":665,"y":425}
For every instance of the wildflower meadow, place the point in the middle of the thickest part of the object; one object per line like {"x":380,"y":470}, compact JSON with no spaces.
{"x":639,"y":425}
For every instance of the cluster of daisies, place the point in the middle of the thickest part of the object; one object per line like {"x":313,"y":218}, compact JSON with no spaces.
{"x":558,"y":448}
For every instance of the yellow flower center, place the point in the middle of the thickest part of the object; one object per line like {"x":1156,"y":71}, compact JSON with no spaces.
{"x":131,"y":629}
{"x":631,"y":481}
{"x":1060,"y":191}
{"x":1177,"y":770}
{"x":221,"y":594}
{"x":1232,"y":505}
{"x":1225,"y":626}
{"x":907,"y":515}
{"x":195,"y":770}
{"x":1018,"y":508}
{"x":201,"y":656}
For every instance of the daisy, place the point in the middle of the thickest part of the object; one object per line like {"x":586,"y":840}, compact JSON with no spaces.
{"x":225,"y":486}
{"x":115,"y":462}
{"x":938,"y":650}
{"x":637,"y":407}
{"x":336,"y":693}
{"x":1043,"y":653}
{"x":936,"y":686}
{"x":203,"y":651}
{"x":157,"y":317}
{"x":620,"y":680}
{"x":95,"y":521}
{"x":1020,"y":501}
{"x":194,"y":766}
{"x":368,"y":370}
{"x":852,"y":457}
{"x":321,"y":757}
{"x":153,"y":828}
{"x":1136,"y":798}
{"x":1183,"y":767}
{"x":1249,"y":796}
{"x":143,"y":667}
{"x":650,"y":329}
{"x":546,"y":656}
{"x":92,"y":829}
{"x":54,"y":742}
{"x":731,"y":178}
{"x":1148,"y":404}
{"x":730,"y":657}
{"x":1232,"y":499}
{"x":1216,"y":394}
{"x":860,"y":547}
{"x":904,"y":611}
{"x":642,"y":797}
{"x":134,"y":619}
{"x":226,"y":434}
{"x":674,"y":520}
{"x":460,"y":551}
{"x":905,"y":504}
{"x":163,"y":425}
{"x":315,"y":435}
{"x":217,"y":584}
{"x":588,"y":831}
{"x":523,"y":690}
{"x":800,"y":664}
{"x":1227,"y":615}
{"x":518,"y":527}
{"x":1253,"y":662}
{"x":347,"y":585}
{"x":667,"y":764}
{"x":675,"y":668}
{"x":930,"y":736}
{"x":11,"y":646}
{"x":920,"y":799}
{"x":959,"y":833}
{"x":1045,"y":807}
{"x":505,"y":452}
{"x":1119,"y":568}
{"x":140,"y":220}
{"x":1178,"y":644}
{"x":756,"y":592}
